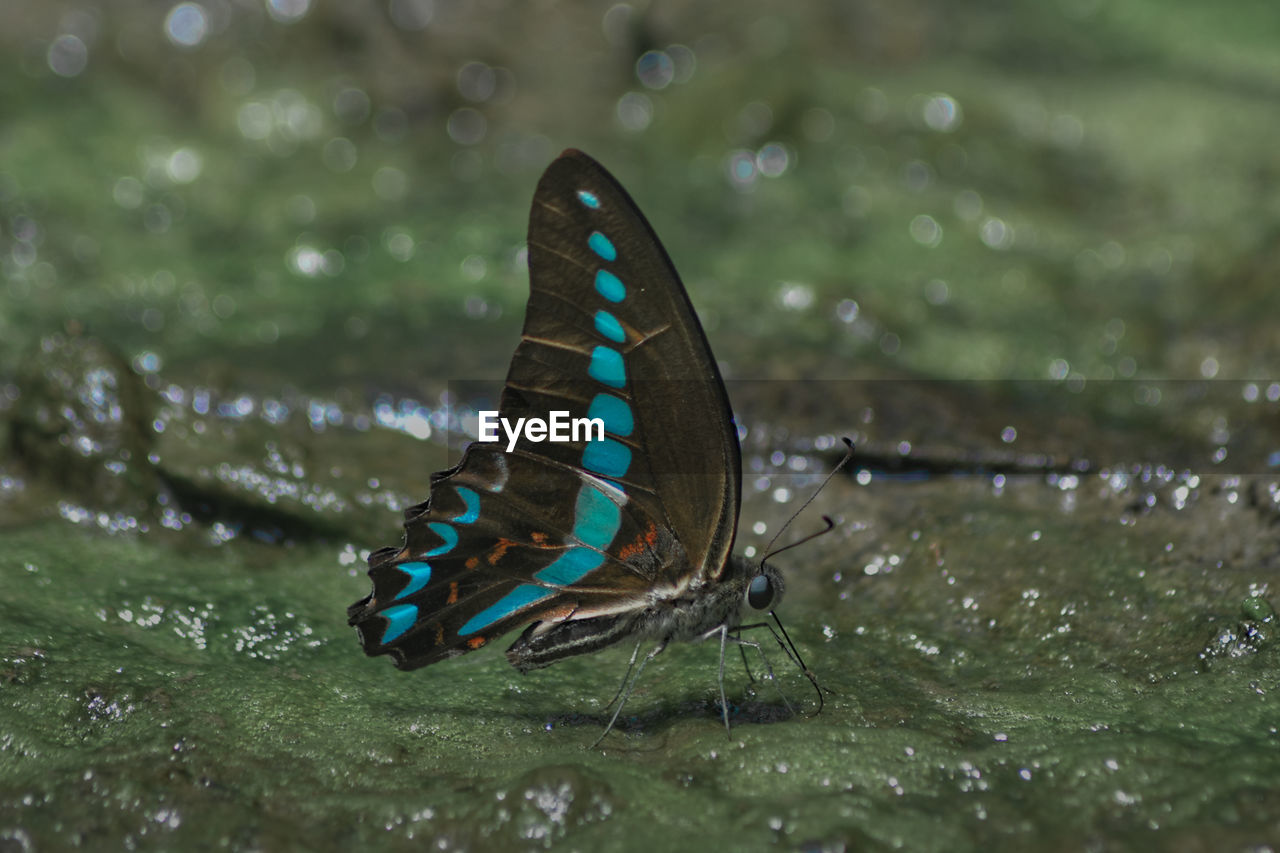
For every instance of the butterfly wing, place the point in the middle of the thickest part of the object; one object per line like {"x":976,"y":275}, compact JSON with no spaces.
{"x":576,"y":529}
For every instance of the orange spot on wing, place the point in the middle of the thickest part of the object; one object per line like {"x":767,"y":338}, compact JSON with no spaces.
{"x":644,"y":542}
{"x":439,"y":634}
{"x":453,"y":593}
{"x":539,"y":538}
{"x":472,"y":562}
{"x":498,"y":551}
{"x":476,"y":642}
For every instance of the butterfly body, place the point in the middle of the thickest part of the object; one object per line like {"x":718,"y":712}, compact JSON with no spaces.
{"x":588,"y":542}
{"x":690,"y":616}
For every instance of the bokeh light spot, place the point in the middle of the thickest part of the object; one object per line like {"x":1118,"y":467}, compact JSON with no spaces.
{"x":68,"y":56}
{"x":351,"y":105}
{"x":184,"y":166}
{"x":926,"y":231}
{"x":186,"y":25}
{"x":477,"y":82}
{"x":942,"y":113}
{"x":288,"y":11}
{"x":996,"y":234}
{"x":412,"y":15}
{"x":655,"y":69}
{"x":635,"y":111}
{"x":339,"y":154}
{"x":773,"y":159}
{"x":742,"y":170}
{"x":467,"y":126}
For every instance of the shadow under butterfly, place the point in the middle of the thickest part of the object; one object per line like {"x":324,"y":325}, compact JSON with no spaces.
{"x":588,"y":542}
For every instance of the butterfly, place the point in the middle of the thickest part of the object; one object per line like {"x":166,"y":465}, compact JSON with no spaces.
{"x":628,"y":535}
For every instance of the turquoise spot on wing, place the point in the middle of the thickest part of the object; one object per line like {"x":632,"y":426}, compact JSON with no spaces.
{"x":606,"y":367}
{"x":419,"y":574}
{"x":472,"y":500}
{"x":596,"y":518}
{"x":589,"y":199}
{"x":602,"y":246}
{"x":610,"y":286}
{"x":445,"y":532}
{"x":608,"y":325}
{"x":615,"y":413}
{"x":521,"y":596}
{"x":571,"y":566}
{"x":607,"y":458}
{"x":399,"y":619}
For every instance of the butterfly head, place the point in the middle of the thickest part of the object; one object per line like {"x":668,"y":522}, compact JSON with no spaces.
{"x":764,"y":591}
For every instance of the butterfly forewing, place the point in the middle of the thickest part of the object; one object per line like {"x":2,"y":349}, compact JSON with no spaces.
{"x":592,"y":251}
{"x":573,"y":529}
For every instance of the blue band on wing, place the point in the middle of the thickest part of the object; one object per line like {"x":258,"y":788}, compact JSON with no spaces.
{"x":602,"y":246}
{"x":571,"y":566}
{"x":606,"y":367}
{"x":608,"y":325}
{"x":419,"y":575}
{"x":399,"y":619}
{"x":521,"y":596}
{"x":615,"y":413}
{"x":472,"y":500}
{"x":610,"y":286}
{"x":445,"y":532}
{"x":596,"y":519}
{"x":607,"y":457}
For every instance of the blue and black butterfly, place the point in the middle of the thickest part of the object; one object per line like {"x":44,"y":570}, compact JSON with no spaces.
{"x":589,"y":542}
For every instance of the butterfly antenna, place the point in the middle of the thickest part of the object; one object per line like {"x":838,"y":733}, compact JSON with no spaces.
{"x":769,"y":552}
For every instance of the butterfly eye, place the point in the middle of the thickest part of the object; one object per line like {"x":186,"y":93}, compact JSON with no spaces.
{"x":760,"y":593}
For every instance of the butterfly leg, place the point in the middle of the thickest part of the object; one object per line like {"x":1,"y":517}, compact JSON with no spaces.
{"x":724,"y":702}
{"x":723,"y":631}
{"x":768,"y":668}
{"x":745,"y":665}
{"x":627,"y":687}
{"x":635,"y":653}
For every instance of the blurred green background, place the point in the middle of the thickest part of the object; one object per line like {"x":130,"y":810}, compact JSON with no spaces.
{"x":245,"y":248}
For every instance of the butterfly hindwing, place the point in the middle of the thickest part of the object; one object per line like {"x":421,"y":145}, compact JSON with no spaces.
{"x":574,"y":531}
{"x":481,"y":557}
